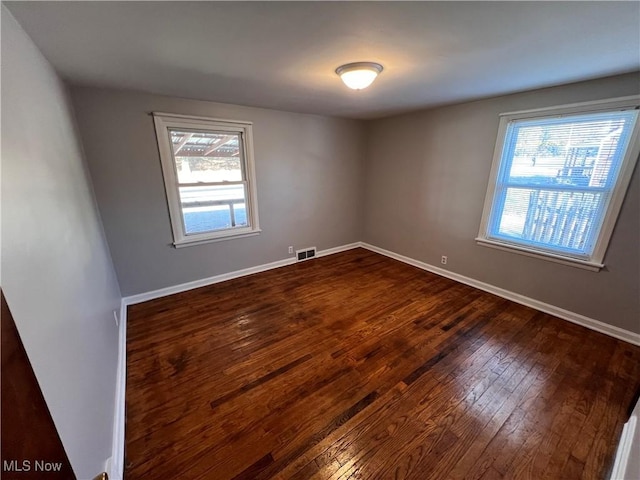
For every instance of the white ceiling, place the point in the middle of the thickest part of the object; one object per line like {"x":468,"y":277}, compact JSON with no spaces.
{"x":283,"y":54}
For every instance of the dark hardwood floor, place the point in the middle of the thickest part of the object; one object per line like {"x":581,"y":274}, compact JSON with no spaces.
{"x":358,"y":366}
{"x":26,"y":426}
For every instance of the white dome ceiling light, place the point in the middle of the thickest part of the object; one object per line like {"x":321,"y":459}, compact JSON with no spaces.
{"x":359,"y":75}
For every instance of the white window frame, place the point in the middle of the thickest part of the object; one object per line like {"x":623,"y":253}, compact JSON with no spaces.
{"x":595,"y":261}
{"x":166,"y":121}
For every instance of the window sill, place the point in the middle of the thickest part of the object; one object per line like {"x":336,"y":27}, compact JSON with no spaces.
{"x":573,"y":262}
{"x":189,"y":242}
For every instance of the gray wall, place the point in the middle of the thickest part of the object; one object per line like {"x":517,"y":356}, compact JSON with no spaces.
{"x":309,"y":179}
{"x":426,"y":179}
{"x":419,"y":192}
{"x":56,"y":270}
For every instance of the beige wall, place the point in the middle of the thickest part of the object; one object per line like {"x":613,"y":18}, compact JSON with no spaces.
{"x":426,"y":179}
{"x":56,"y":272}
{"x":309,"y":179}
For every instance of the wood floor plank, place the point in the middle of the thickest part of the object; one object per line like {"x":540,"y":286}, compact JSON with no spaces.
{"x":356,"y":366}
{"x":378,"y":432}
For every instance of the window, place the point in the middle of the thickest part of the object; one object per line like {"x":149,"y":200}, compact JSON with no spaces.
{"x":209,"y":177}
{"x":558,"y":179}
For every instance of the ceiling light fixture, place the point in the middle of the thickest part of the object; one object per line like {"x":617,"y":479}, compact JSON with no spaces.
{"x":359,"y":75}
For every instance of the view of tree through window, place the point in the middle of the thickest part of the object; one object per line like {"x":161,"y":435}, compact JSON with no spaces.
{"x":556,"y":177}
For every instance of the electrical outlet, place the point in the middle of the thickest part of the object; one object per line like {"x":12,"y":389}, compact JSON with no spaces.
{"x":443,"y":260}
{"x":290,"y":249}
{"x":115,"y":317}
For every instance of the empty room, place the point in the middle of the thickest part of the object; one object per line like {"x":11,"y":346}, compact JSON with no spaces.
{"x":320,"y":240}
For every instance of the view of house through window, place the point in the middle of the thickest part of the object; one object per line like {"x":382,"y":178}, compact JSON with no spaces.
{"x":556,"y":178}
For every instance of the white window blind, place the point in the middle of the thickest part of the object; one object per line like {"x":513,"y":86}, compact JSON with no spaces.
{"x":555,"y":181}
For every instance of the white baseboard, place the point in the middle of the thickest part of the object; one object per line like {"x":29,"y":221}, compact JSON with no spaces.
{"x":627,"y":462}
{"x":115,"y":465}
{"x":587,"y":322}
{"x":341,"y":248}
{"x":623,"y":453}
{"x":107,"y":466}
{"x":183,"y":287}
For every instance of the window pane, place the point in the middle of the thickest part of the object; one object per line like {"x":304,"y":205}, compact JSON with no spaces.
{"x":211,"y":208}
{"x":558,"y":179}
{"x":563,"y":220}
{"x":578,"y":151}
{"x":207,"y":156}
{"x":240,"y":210}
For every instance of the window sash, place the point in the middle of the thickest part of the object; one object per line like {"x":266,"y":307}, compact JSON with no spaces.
{"x":232,"y":214}
{"x":242,"y":182}
{"x":212,"y":184}
{"x":241,"y":142}
{"x":558,"y":219}
{"x":611,"y":193}
{"x":165,"y":124}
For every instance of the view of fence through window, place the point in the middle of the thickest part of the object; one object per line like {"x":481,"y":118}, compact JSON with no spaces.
{"x":211,"y":179}
{"x":556,"y":177}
